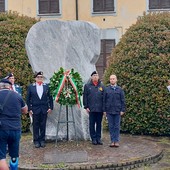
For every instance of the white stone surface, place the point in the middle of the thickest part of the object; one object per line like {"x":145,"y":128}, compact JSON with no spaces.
{"x":53,"y":44}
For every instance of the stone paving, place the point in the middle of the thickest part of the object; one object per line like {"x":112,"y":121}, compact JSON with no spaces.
{"x":134,"y":152}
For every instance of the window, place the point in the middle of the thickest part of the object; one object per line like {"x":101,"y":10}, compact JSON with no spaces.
{"x":106,"y":49}
{"x":103,"y":5}
{"x":159,"y":4}
{"x":48,"y":7}
{"x":2,"y":5}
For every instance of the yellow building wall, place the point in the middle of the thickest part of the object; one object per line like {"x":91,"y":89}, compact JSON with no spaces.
{"x":23,"y":7}
{"x":127,"y":12}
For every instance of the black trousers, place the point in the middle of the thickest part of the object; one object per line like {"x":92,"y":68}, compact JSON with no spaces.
{"x":39,"y":127}
{"x":95,"y":125}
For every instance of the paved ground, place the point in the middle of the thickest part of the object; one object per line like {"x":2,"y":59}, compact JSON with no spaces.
{"x":132,"y":150}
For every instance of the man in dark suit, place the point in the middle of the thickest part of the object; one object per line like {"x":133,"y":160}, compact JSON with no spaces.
{"x":93,"y":103}
{"x":40,"y":103}
{"x":114,"y":106}
{"x":14,"y":87}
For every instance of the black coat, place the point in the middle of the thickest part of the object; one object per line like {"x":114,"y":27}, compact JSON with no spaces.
{"x":36,"y":104}
{"x":114,"y":100}
{"x":93,"y":97}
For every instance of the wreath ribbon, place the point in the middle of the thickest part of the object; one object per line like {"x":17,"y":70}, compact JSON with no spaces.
{"x":61,"y":86}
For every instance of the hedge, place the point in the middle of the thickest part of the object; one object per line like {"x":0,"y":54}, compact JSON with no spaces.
{"x":13,"y":32}
{"x":141,"y":61}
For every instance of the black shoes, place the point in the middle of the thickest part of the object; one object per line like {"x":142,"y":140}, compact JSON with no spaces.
{"x":97,"y":142}
{"x":42,"y":144}
{"x":38,"y":145}
{"x":94,"y":142}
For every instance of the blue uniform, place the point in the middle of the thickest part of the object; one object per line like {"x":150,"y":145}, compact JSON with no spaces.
{"x":93,"y":99}
{"x":114,"y":103}
{"x":39,"y":107}
{"x":10,"y":123}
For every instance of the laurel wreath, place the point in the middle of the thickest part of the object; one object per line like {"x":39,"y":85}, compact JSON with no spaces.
{"x":66,"y":87}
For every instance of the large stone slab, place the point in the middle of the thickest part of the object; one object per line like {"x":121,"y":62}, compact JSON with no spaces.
{"x":53,"y":44}
{"x":65,"y":157}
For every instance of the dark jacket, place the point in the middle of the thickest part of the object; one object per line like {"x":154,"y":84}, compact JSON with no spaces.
{"x":93,"y":97}
{"x":10,"y":118}
{"x":36,"y":104}
{"x":114,"y":100}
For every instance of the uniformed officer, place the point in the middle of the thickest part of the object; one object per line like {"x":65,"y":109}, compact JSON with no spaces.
{"x":40,"y":103}
{"x":114,"y":106}
{"x":12,"y":105}
{"x":15,"y":87}
{"x":93,"y":103}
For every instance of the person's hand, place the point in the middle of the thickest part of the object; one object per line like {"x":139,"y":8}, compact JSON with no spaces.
{"x":30,"y":113}
{"x":88,"y":110}
{"x":49,"y":111}
{"x":122,"y":113}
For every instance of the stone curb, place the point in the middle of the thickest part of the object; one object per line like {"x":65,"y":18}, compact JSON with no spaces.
{"x":109,"y":166}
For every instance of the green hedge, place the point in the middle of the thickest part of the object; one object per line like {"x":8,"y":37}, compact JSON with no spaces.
{"x":141,"y":60}
{"x":13,"y":32}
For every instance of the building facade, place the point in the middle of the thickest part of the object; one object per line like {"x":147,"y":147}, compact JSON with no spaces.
{"x":113,"y":17}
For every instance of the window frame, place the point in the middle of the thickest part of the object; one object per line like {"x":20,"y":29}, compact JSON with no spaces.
{"x":5,"y":7}
{"x":48,"y":14}
{"x":156,"y":9}
{"x":103,"y":12}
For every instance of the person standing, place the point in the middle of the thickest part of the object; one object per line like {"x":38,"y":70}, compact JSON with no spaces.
{"x":40,"y":103}
{"x":114,"y":106}
{"x":12,"y":105}
{"x":15,"y":87}
{"x":93,"y":103}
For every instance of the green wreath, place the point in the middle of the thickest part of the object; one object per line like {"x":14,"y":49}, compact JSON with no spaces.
{"x":66,"y":87}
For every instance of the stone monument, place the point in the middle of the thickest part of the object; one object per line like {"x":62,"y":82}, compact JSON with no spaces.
{"x":53,"y":44}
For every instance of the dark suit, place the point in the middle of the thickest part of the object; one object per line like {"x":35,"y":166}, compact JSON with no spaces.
{"x":39,"y":108}
{"x":114,"y":103}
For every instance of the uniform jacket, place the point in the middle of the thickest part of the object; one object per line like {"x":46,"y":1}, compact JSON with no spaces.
{"x":114,"y":100}
{"x":93,"y":97}
{"x":36,"y":104}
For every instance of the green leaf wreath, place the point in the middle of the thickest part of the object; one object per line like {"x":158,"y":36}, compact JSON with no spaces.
{"x":66,"y":87}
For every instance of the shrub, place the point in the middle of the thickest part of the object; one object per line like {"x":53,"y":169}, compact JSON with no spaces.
{"x":13,"y":32}
{"x":141,"y":61}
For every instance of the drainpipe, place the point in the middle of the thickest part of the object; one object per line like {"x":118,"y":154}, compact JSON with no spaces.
{"x":77,"y":14}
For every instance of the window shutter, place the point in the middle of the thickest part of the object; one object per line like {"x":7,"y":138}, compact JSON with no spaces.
{"x":106,"y":49}
{"x":2,"y":5}
{"x":153,"y":4}
{"x":109,"y":5}
{"x":48,"y":6}
{"x":165,"y":4}
{"x":97,"y":5}
{"x":43,"y":7}
{"x":54,"y":6}
{"x":109,"y":45}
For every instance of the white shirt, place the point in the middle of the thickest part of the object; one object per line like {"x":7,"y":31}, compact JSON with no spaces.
{"x":39,"y":89}
{"x":168,"y":88}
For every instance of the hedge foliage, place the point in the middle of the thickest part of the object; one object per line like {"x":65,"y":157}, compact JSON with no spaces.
{"x":13,"y":32}
{"x":141,"y":61}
